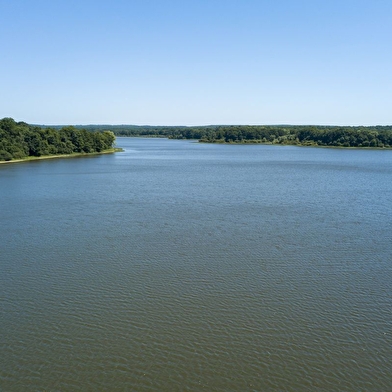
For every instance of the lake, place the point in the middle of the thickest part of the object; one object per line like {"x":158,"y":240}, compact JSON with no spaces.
{"x":182,"y":266}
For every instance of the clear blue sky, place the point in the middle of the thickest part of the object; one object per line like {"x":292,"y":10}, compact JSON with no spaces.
{"x":196,"y":62}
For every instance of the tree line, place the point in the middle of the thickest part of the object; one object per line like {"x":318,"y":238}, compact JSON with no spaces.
{"x":377,"y":136}
{"x":19,"y":140}
{"x":336,"y":136}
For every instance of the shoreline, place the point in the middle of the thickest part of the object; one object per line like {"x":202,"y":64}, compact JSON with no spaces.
{"x":57,"y":156}
{"x":293,"y":145}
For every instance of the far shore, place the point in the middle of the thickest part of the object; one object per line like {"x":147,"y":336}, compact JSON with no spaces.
{"x":258,"y":142}
{"x":74,"y":155}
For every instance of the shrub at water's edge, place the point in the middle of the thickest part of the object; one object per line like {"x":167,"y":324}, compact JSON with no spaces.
{"x":19,"y":140}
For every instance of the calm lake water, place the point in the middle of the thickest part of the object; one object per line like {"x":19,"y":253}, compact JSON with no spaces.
{"x":181,"y":266}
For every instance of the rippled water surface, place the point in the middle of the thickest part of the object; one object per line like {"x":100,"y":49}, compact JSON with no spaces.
{"x":180,"y":266}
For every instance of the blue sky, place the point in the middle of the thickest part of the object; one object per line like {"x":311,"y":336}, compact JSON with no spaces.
{"x":172,"y":62}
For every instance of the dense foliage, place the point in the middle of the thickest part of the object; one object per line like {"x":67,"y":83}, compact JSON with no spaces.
{"x":379,"y":136}
{"x":137,"y":130}
{"x":19,"y":140}
{"x":376,"y":136}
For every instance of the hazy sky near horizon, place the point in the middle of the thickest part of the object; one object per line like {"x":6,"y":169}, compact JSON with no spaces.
{"x":201,"y":62}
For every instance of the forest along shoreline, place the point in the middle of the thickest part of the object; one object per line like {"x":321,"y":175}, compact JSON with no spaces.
{"x":20,"y":142}
{"x":378,"y":136}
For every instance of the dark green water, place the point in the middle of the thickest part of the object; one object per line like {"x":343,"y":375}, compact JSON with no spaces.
{"x":179,"y":266}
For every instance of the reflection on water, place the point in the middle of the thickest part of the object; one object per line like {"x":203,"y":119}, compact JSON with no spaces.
{"x":183,"y":266}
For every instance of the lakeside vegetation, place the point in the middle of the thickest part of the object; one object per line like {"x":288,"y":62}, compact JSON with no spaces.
{"x":333,"y":136}
{"x":376,"y":137}
{"x":19,"y":141}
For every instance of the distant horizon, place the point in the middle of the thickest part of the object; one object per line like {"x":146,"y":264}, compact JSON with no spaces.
{"x":197,"y":125}
{"x":209,"y":125}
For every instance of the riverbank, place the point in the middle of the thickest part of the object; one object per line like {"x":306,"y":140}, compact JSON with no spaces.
{"x":74,"y":155}
{"x":259,"y":142}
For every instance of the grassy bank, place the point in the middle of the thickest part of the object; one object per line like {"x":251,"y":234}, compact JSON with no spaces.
{"x":73,"y":155}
